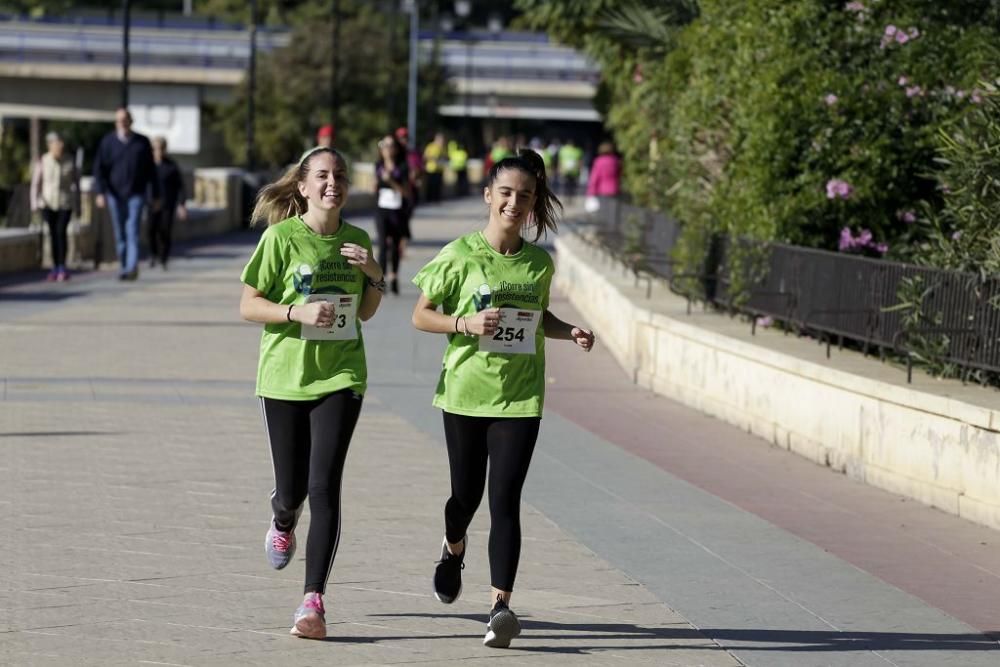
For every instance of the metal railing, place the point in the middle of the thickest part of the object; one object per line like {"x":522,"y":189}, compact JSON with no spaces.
{"x":833,"y":296}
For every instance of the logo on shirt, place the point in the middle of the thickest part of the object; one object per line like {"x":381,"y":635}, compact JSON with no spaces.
{"x":302,"y":278}
{"x":482,"y":297}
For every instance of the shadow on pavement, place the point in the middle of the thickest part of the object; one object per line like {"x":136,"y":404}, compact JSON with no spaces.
{"x":755,"y":639}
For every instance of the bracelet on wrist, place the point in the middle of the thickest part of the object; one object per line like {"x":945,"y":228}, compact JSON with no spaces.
{"x":456,"y":324}
{"x":288,"y":313}
{"x":378,"y":284}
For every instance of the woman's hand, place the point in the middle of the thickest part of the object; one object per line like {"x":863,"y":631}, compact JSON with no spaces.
{"x":317,"y":314}
{"x":483,"y":323}
{"x":583,"y":337}
{"x":361,"y":258}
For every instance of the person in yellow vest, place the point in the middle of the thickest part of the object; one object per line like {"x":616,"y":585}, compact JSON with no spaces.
{"x":458,"y":160}
{"x":570,"y":160}
{"x":435,"y":159}
{"x":55,"y":193}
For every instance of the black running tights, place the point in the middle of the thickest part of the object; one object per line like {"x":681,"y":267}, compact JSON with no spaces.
{"x":309,"y":441}
{"x":506,"y":443}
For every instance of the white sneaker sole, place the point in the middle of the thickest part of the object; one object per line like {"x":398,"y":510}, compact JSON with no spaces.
{"x":501,"y":629}
{"x":310,"y":626}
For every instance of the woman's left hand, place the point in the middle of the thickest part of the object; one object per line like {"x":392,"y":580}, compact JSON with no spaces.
{"x":583,"y":337}
{"x":361,"y":258}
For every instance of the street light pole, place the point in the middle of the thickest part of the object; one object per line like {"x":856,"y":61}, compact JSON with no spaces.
{"x":252,"y":88}
{"x":334,"y":87}
{"x":411,"y":97}
{"x":126,"y":7}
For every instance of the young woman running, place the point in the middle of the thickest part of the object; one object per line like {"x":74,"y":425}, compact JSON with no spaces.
{"x":492,"y":288}
{"x":310,"y":281}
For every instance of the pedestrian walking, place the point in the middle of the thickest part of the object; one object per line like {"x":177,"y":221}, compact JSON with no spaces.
{"x":570,"y":159}
{"x":489,"y":292}
{"x":392,"y":220}
{"x":605,"y":177}
{"x":435,"y":160}
{"x":161,"y":222}
{"x":55,"y":193}
{"x":124,"y":172}
{"x":311,"y":282}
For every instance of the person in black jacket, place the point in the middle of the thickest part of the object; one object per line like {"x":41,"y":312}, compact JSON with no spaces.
{"x":172,"y":196}
{"x":123,"y":173}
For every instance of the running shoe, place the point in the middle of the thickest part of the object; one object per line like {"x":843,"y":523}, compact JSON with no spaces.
{"x":310,"y":618}
{"x":280,"y":546}
{"x":503,"y":626}
{"x":448,"y":573}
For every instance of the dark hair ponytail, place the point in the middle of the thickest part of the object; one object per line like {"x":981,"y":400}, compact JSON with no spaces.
{"x":547,"y":205}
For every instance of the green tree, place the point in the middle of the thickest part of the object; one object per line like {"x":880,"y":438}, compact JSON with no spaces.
{"x":294,"y":85}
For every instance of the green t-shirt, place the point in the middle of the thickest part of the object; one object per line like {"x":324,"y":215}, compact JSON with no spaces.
{"x":467,"y":276}
{"x":290,"y":263}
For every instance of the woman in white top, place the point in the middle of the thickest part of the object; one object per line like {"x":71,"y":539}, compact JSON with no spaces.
{"x":55,"y":192}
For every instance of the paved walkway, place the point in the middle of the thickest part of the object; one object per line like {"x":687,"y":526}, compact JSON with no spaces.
{"x":134,"y":489}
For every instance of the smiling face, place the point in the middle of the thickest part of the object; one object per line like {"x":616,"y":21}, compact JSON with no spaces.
{"x":325,"y":184}
{"x":511,"y":199}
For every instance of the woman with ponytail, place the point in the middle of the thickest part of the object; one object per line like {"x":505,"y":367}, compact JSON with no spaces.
{"x":311,"y":282}
{"x":489,"y":292}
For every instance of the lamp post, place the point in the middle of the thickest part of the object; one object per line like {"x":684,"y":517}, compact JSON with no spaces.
{"x":251,"y":88}
{"x":335,"y":68}
{"x":126,"y":10}
{"x":412,"y":6}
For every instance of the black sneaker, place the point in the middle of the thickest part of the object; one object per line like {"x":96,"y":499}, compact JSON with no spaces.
{"x":502,"y":627}
{"x":448,"y":573}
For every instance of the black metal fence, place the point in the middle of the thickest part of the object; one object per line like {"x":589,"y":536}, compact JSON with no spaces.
{"x":952,"y":317}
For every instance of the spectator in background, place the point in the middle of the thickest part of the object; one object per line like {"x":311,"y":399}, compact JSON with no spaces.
{"x":605,"y":176}
{"x":391,"y":218}
{"x":458,"y":160}
{"x":325,"y":136}
{"x":161,"y":222}
{"x":55,"y":192}
{"x":124,"y":172}
{"x":415,"y":163}
{"x":569,"y":159}
{"x":435,"y":159}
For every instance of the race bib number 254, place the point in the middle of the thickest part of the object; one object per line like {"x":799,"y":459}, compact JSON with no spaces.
{"x":515,"y":334}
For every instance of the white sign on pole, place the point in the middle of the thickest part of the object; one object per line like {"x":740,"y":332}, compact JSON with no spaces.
{"x":172,"y":112}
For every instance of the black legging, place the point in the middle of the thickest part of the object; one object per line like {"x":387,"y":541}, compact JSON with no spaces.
{"x":58,"y":222}
{"x":391,"y":228}
{"x":309,"y":441}
{"x":161,"y":226}
{"x":507,"y":442}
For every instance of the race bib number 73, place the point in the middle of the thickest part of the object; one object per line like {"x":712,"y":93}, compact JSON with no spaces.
{"x":345,"y":314}
{"x":515,"y":333}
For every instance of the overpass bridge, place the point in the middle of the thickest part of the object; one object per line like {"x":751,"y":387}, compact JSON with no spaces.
{"x":72,"y":71}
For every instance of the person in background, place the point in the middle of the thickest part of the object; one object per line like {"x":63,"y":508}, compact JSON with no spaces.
{"x":605,"y":176}
{"x":161,"y":222}
{"x":124,"y":172}
{"x":569,"y":161}
{"x":415,"y":163}
{"x":435,"y":158}
{"x":458,"y":160}
{"x":391,"y":218}
{"x":55,"y":193}
{"x":325,"y":136}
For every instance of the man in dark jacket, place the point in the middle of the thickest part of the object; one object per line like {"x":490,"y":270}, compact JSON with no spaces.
{"x":172,"y":196}
{"x":123,"y":172}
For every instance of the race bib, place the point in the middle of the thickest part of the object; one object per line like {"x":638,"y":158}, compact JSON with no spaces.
{"x":390,"y":199}
{"x":345,"y":314}
{"x":515,"y":333}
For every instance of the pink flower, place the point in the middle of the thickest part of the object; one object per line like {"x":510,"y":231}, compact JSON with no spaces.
{"x":903,"y":81}
{"x":913,"y":33}
{"x":837,"y":188}
{"x":882,"y":248}
{"x":901,"y":37}
{"x":830,"y":99}
{"x":914,"y":91}
{"x":891,"y":30}
{"x":864,"y":238}
{"x":960,"y":94}
{"x":846,"y":240}
{"x":855,"y":7}
{"x":908,"y":217}
{"x":976,"y":97}
{"x":956,"y":236}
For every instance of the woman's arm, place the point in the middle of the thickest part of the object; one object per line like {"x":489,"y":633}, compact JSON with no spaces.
{"x":427,"y":318}
{"x":371,"y":298}
{"x":255,"y":307}
{"x":559,"y":330}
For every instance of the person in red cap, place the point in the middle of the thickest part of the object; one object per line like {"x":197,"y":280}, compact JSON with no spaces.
{"x":415,"y":163}
{"x":325,"y":136}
